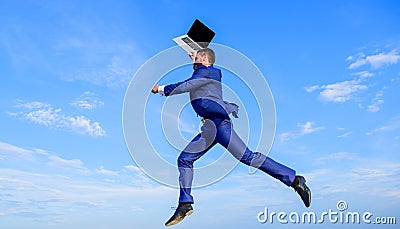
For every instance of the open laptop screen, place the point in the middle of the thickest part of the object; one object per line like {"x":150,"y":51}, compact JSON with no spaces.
{"x":200,"y":33}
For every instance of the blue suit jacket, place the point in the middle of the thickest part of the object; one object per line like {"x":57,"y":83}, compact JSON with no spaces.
{"x":205,"y":91}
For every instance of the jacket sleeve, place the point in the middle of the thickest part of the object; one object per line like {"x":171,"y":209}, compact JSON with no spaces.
{"x":198,"y":79}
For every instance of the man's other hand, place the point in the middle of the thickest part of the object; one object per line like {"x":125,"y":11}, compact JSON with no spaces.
{"x":155,"y":89}
{"x":192,"y":55}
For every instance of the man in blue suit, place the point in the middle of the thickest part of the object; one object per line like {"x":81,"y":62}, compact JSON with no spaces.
{"x":205,"y":91}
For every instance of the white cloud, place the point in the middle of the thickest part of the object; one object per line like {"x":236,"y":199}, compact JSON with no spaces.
{"x":44,"y":114}
{"x":64,"y":164}
{"x":375,"y":106}
{"x":393,"y":124}
{"x":360,"y":60}
{"x":352,"y":175}
{"x":49,"y":186}
{"x":46,"y":195}
{"x":338,"y":92}
{"x":307,"y":128}
{"x":377,"y":101}
{"x":37,"y":112}
{"x":106,"y":172}
{"x":345,"y":134}
{"x":133,"y":168}
{"x":304,"y":129}
{"x":350,"y":58}
{"x":88,"y":100}
{"x":395,"y":79}
{"x":364,"y":74}
{"x":10,"y":148}
{"x":32,"y":105}
{"x":312,"y":88}
{"x":375,"y":61}
{"x":341,"y":92}
{"x":12,"y":152}
{"x":83,"y":125}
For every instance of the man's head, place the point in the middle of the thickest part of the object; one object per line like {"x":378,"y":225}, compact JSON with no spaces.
{"x":205,"y":57}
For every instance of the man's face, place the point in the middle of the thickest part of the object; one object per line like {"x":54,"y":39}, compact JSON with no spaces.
{"x":198,"y":58}
{"x":197,"y":61}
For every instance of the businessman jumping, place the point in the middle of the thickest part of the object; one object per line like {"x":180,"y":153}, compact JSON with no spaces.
{"x":205,"y":90}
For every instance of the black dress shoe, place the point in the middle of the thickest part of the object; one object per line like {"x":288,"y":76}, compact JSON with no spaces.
{"x":184,"y":209}
{"x":299,"y":185}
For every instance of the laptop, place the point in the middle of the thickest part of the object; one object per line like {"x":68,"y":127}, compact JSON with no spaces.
{"x":198,"y":37}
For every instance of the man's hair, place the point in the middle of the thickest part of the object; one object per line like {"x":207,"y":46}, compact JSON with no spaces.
{"x":210,"y":54}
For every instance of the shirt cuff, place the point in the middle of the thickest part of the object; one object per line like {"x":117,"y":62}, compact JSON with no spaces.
{"x":161,"y":90}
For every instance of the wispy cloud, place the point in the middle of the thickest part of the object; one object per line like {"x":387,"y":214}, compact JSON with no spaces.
{"x":337,"y":156}
{"x":66,"y":164}
{"x":338,"y":92}
{"x":46,"y":115}
{"x":304,"y":129}
{"x":107,"y":64}
{"x":353,"y":175}
{"x":83,"y":125}
{"x":43,"y":193}
{"x":364,"y":74}
{"x":44,"y":186}
{"x":345,"y":134}
{"x":106,"y":172}
{"x":392,"y":124}
{"x":14,"y":152}
{"x":133,"y":168}
{"x":375,"y":61}
{"x":377,"y":101}
{"x":349,"y":90}
{"x":88,"y":100}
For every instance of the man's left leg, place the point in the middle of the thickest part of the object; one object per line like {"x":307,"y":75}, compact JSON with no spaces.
{"x":228,"y":138}
{"x":193,"y":151}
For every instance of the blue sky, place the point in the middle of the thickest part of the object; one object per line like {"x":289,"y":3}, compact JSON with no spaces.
{"x":333,"y":69}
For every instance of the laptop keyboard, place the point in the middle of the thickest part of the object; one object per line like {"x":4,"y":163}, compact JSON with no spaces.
{"x":191,"y":44}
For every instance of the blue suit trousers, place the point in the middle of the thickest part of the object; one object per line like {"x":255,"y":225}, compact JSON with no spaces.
{"x":220,"y":130}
